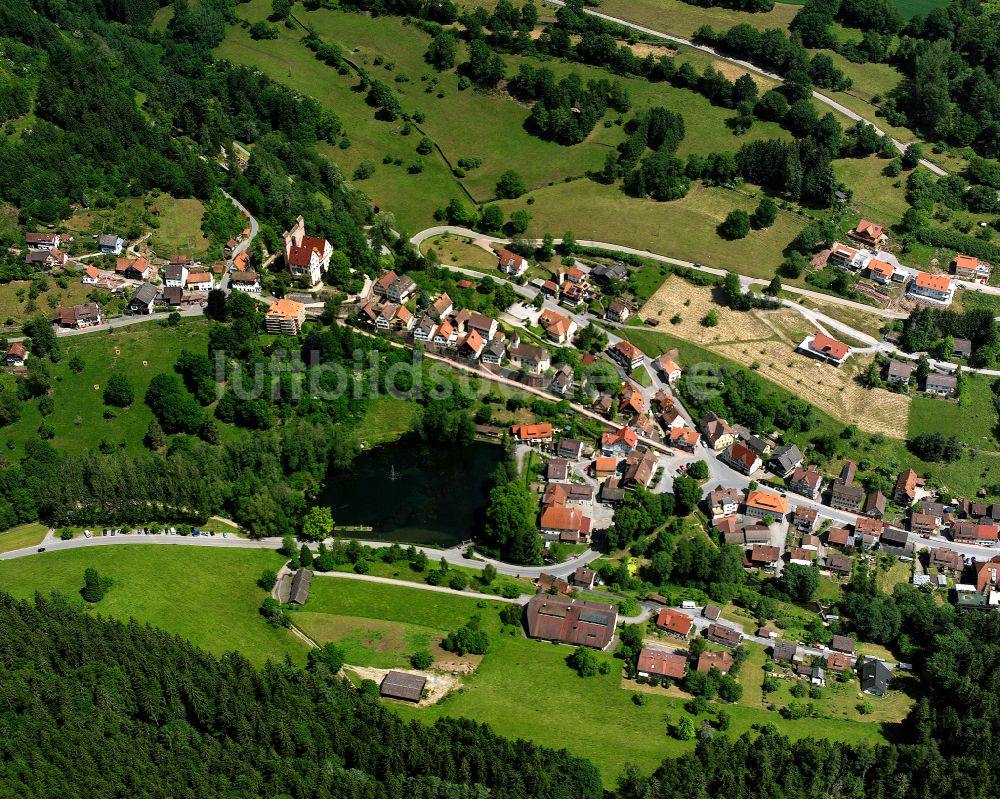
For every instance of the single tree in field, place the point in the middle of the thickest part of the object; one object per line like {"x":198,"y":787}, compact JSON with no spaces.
{"x":118,"y":391}
{"x":94,"y":586}
{"x":510,"y":185}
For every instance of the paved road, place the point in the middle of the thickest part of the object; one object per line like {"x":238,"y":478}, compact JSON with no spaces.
{"x":822,"y":98}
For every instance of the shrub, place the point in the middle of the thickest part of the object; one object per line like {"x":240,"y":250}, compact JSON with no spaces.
{"x":421,"y":660}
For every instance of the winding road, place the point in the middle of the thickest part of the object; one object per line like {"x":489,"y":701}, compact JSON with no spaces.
{"x":818,"y":96}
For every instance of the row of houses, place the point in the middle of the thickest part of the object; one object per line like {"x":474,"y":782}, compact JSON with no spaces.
{"x":943,"y":385}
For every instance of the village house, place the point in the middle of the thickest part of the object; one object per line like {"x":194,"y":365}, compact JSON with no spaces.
{"x":578,"y":622}
{"x":440,"y":309}
{"x":143,"y":299}
{"x":483,"y":325}
{"x":723,"y":634}
{"x":844,"y":495}
{"x":842,"y":643}
{"x":717,"y":431}
{"x":630,"y":400}
{"x":961,"y":348}
{"x":869,"y":234}
{"x":741,"y":458}
{"x":810,"y":542}
{"x":496,"y":350}
{"x":655,"y":664}
{"x":612,"y":494}
{"x":674,"y":622}
{"x":839,"y":564}
{"x":16,"y":355}
{"x":988,"y":575}
{"x":617,"y":311}
{"x":933,"y":288}
{"x":969,"y":267}
{"x":838,"y":537}
{"x":838,"y":661}
{"x":445,"y":335}
{"x":946,"y":560}
{"x":824,"y":348}
{"x":880,"y":271}
{"x":711,"y":612}
{"x":783,"y":653}
{"x":424,"y":328}
{"x":550,"y":584}
{"x":80,"y":316}
{"x":668,"y":367}
{"x":540,"y":433}
{"x":47,"y":258}
{"x":757,"y":445}
{"x":175,"y":275}
{"x":532,"y":359}
{"x":671,"y":418}
{"x":248,"y":282}
{"x":628,"y":355}
{"x":875,"y":677}
{"x":707,"y":661}
{"x":965,"y":533}
{"x":584,"y":577}
{"x":91,"y":276}
{"x":558,"y":327}
{"x":471,"y":345}
{"x":199,"y":281}
{"x":942,"y":385}
{"x":785,"y":460}
{"x":602,"y":467}
{"x":899,"y":372}
{"x":561,"y":523}
{"x":865,"y":526}
{"x":307,"y":257}
{"x":610,"y":273}
{"x":285,"y":316}
{"x":845,"y":257}
{"x":762,"y":556}
{"x":895,"y":542}
{"x":804,"y":519}
{"x":875,"y":505}
{"x":511,"y":263}
{"x":807,"y":482}
{"x":755,"y":534}
{"x":640,"y":466}
{"x":905,"y":491}
{"x":241,"y":261}
{"x":724,"y":501}
{"x":135,"y":268}
{"x":557,"y":470}
{"x":684,"y":438}
{"x":571,"y":448}
{"x":110,"y":244}
{"x":761,"y":504}
{"x":43,"y":241}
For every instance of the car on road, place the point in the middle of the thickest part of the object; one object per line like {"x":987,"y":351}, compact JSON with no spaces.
{"x":196,"y":532}
{"x":41,"y":549}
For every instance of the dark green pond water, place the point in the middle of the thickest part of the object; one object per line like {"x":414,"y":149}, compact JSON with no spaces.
{"x":415,"y":493}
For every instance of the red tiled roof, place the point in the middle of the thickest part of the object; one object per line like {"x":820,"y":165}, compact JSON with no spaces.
{"x":829,"y":346}
{"x":674,"y":621}
{"x":301,"y":255}
{"x":766,"y":500}
{"x":665,"y":664}
{"x":925,"y":280}
{"x":531,"y":431}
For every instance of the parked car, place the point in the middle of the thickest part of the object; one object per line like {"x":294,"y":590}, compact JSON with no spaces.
{"x":196,"y":532}
{"x":41,"y":549}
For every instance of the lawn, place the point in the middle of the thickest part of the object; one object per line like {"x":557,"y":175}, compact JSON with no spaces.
{"x":17,"y":307}
{"x":401,"y":571}
{"x":206,"y":595}
{"x":877,"y":196}
{"x":641,"y":376}
{"x":386,"y":419}
{"x":139,"y":352}
{"x":683,"y":19}
{"x":369,"y":642}
{"x":460,"y":251}
{"x":973,"y":419}
{"x":492,"y":126}
{"x":608,"y":727}
{"x":24,"y":535}
{"x":683,"y":229}
{"x":180,"y":228}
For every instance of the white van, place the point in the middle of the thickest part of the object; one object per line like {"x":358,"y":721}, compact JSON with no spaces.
{"x":687,"y":604}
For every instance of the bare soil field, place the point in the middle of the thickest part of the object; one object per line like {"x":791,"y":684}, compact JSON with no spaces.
{"x":830,"y":389}
{"x":677,"y":296}
{"x":438,"y":685}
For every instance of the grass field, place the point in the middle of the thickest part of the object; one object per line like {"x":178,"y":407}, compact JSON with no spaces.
{"x":492,"y":123}
{"x":24,"y":535}
{"x":402,"y":571}
{"x":387,"y":419}
{"x":683,"y":19}
{"x":16,"y":306}
{"x":683,"y":229}
{"x":369,"y":642}
{"x":877,"y":196}
{"x":208,"y":596}
{"x":139,"y":352}
{"x":974,"y":420}
{"x":459,"y":251}
{"x":609,"y":728}
{"x":180,"y":228}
